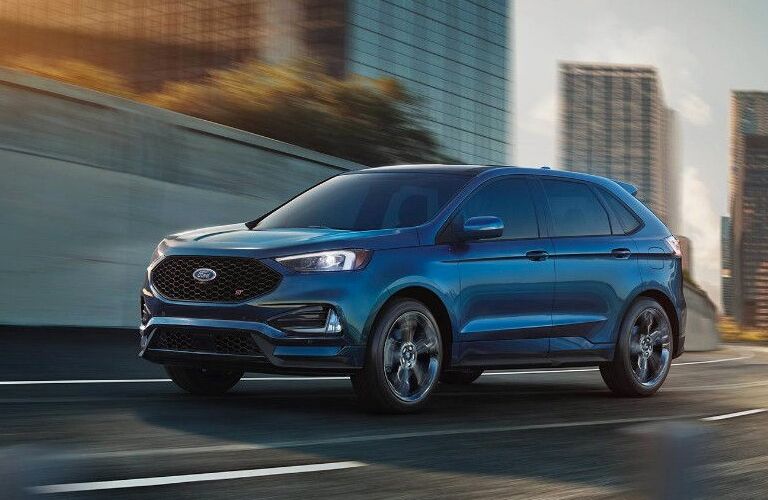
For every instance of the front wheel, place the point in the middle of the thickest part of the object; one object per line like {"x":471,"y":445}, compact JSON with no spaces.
{"x":403,"y":359}
{"x":643,"y":352}
{"x":203,"y":381}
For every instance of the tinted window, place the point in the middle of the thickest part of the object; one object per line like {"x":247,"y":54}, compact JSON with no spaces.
{"x":627,"y":219}
{"x":361,"y":202}
{"x":575,"y":209}
{"x":508,"y":199}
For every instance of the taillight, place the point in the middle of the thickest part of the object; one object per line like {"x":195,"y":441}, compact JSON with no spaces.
{"x":674,"y":245}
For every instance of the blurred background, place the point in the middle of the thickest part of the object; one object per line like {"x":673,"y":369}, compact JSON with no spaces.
{"x":122,"y":121}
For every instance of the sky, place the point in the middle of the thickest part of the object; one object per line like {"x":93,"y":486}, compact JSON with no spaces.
{"x":703,"y":49}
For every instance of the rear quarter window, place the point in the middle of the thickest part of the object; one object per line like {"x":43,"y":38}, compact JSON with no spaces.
{"x":627,"y":219}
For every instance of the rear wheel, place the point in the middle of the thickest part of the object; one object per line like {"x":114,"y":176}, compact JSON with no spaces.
{"x":403,"y":360}
{"x":203,"y":381}
{"x":461,"y":377}
{"x":643,"y":352}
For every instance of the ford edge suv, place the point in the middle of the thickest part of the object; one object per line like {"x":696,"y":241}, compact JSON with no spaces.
{"x":403,"y":277}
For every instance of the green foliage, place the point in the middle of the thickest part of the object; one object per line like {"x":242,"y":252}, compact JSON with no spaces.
{"x":373,"y":122}
{"x":369,"y":121}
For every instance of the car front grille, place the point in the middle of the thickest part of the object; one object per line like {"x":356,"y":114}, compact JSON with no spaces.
{"x":237,"y":278}
{"x":236,"y":343}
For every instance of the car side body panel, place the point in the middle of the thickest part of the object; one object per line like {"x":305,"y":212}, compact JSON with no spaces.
{"x":504,"y":309}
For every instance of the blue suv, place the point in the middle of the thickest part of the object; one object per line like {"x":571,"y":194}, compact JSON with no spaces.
{"x":406,"y":276}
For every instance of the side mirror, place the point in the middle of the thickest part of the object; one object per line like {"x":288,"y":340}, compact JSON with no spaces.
{"x":481,"y":228}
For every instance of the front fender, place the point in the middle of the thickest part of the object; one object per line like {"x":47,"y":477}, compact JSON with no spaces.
{"x":435,"y":274}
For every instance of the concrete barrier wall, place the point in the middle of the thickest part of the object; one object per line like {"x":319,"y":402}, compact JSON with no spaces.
{"x":90,"y":183}
{"x":701,"y":327}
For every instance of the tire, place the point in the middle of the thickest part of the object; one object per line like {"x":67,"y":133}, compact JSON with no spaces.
{"x":461,"y":377}
{"x":641,"y":337}
{"x":202,"y":381}
{"x":403,"y":359}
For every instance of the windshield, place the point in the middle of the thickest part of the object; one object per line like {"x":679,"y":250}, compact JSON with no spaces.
{"x":361,"y":202}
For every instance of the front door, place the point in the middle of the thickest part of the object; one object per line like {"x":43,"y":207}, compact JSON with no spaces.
{"x":507,"y":283}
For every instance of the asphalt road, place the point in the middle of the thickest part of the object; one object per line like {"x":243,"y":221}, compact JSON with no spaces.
{"x":527,"y":434}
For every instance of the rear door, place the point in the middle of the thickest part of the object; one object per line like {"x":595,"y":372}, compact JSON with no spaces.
{"x":595,"y":266}
{"x":507,"y":283}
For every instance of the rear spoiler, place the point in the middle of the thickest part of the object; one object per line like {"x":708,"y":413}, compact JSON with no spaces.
{"x":630,"y":188}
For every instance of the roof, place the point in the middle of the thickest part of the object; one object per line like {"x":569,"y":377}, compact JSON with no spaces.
{"x":431,"y":168}
{"x":473,"y":170}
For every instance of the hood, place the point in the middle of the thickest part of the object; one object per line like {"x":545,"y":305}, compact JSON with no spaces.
{"x":238,"y":239}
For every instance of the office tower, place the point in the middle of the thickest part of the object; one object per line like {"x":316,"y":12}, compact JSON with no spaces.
{"x":614,"y":123}
{"x":454,"y":55}
{"x":673,"y":169}
{"x":726,"y":265}
{"x":749,"y":206}
{"x":686,"y":248}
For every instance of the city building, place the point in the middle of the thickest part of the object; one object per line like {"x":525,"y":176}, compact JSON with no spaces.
{"x":614,"y":123}
{"x":686,"y":248}
{"x":453,"y":55}
{"x":726,"y":265}
{"x":749,"y":206}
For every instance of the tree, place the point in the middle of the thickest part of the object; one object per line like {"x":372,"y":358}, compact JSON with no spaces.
{"x":369,"y":121}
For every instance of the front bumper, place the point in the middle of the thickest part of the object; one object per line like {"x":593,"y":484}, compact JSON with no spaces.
{"x":272,"y":351}
{"x":279,"y":349}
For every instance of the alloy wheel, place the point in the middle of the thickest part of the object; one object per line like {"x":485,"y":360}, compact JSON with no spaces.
{"x":649,"y":347}
{"x":412,"y":356}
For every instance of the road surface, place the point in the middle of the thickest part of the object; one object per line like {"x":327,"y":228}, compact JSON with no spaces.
{"x":82,"y":417}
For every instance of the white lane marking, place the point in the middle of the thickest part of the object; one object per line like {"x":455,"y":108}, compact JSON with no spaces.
{"x":364,"y":438}
{"x":734,"y":415}
{"x":191,"y":478}
{"x":309,"y":379}
{"x":723,"y":360}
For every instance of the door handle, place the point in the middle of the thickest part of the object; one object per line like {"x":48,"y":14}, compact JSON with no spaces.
{"x":537,"y":255}
{"x":621,"y":253}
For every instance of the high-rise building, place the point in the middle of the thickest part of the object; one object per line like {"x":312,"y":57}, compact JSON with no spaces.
{"x":686,"y":249}
{"x":749,"y":206}
{"x":453,"y":55}
{"x":614,"y":123}
{"x":673,"y":169}
{"x":726,"y":265}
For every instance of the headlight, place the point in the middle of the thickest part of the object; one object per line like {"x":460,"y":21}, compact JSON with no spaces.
{"x":157,"y":254}
{"x":335,"y":260}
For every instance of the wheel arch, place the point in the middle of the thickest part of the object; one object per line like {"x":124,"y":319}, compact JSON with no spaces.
{"x":669,"y":307}
{"x":433,"y":302}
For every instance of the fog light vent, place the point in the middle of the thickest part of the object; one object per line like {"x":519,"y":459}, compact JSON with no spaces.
{"x":310,"y":320}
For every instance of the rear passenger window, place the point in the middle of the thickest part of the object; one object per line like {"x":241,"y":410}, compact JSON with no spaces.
{"x":575,"y":209}
{"x":629,"y":221}
{"x":510,"y":200}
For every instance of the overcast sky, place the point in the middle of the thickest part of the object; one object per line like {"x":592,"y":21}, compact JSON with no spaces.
{"x":702,"y":49}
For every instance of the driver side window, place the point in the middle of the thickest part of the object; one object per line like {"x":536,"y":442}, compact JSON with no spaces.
{"x":509,"y":199}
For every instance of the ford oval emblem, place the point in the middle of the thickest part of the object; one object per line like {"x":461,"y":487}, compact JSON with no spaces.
{"x":204,"y":274}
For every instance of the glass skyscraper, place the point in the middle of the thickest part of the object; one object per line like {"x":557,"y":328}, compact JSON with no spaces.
{"x":614,"y":123}
{"x":726,"y":265}
{"x":749,"y":206}
{"x":453,"y":54}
